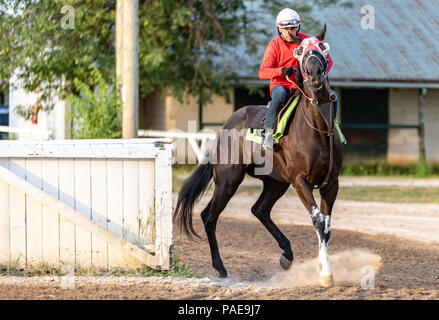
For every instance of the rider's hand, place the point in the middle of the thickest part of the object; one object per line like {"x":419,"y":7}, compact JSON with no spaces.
{"x":288,"y":71}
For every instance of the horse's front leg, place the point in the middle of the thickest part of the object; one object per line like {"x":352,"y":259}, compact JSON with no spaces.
{"x":321,"y":225}
{"x":328,"y":195}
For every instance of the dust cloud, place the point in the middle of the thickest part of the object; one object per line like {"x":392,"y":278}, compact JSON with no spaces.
{"x":349,"y":268}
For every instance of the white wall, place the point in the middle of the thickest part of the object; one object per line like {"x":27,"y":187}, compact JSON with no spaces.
{"x":53,"y":121}
{"x":403,"y":144}
{"x":431,"y":125}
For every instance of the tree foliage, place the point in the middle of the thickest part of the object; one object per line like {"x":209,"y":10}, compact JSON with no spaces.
{"x":185,"y":46}
{"x":95,"y":114}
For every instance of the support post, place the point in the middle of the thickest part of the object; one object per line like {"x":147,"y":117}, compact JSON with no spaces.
{"x":421,"y":130}
{"x":119,"y":51}
{"x":128,"y":65}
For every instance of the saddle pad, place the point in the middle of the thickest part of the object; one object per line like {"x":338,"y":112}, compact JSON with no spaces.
{"x":282,"y":122}
{"x":254,"y":135}
{"x":340,"y":134}
{"x":257,"y":134}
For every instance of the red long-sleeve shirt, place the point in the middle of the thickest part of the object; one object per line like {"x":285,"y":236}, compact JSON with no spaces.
{"x":279,"y":54}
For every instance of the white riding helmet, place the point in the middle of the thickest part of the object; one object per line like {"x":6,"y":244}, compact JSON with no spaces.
{"x":287,"y":18}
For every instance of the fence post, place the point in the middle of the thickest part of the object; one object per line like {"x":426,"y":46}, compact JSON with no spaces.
{"x":421,"y":130}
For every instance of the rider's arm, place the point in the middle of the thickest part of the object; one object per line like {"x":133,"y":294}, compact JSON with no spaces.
{"x":268,"y":69}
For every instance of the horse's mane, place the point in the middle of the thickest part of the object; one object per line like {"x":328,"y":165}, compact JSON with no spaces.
{"x":299,"y":77}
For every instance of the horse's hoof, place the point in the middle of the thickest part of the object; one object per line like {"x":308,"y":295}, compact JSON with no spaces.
{"x":223,"y":274}
{"x":326,"y":281}
{"x":285,"y":263}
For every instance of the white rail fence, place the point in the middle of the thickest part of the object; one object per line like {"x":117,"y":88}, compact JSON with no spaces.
{"x":193,"y":138}
{"x":29,"y":133}
{"x":101,"y":203}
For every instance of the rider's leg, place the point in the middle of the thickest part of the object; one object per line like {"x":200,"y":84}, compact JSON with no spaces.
{"x":279,"y":95}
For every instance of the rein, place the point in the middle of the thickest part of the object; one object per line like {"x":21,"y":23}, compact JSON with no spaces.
{"x":329,"y":133}
{"x":313,"y":101}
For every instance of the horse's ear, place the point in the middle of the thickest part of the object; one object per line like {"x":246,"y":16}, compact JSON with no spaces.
{"x":321,"y":35}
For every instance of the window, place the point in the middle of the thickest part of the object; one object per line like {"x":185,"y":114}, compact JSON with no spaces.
{"x":245,"y":97}
{"x":364,"y":116}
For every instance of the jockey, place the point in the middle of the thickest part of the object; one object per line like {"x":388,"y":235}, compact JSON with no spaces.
{"x":278,"y":63}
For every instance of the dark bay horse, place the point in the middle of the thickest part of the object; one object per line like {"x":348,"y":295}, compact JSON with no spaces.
{"x":309,"y":156}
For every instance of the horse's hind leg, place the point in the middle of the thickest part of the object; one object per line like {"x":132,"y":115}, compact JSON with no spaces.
{"x":271,"y":192}
{"x":227,"y":180}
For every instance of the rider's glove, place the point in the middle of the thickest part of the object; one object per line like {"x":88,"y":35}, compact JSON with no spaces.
{"x":288,"y":71}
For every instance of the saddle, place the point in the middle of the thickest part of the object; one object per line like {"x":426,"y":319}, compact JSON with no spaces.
{"x":256,"y":124}
{"x":258,"y":121}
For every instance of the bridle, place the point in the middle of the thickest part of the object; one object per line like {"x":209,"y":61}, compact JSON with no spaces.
{"x":330,"y":131}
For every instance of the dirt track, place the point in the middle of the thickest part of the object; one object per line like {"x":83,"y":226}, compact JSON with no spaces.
{"x":400,"y":241}
{"x":407,"y":270}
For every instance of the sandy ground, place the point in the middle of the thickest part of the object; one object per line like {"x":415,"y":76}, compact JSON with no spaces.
{"x":403,"y":270}
{"x":409,"y":221}
{"x":370,"y":182}
{"x":393,"y":248}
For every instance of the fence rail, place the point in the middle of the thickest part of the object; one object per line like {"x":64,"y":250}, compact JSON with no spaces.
{"x":31,"y":133}
{"x":101,"y":203}
{"x":194,"y":138}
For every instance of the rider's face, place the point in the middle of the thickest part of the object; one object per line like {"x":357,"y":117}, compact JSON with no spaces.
{"x":287,"y":32}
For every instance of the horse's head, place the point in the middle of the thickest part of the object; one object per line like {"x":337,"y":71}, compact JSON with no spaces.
{"x":312,"y":55}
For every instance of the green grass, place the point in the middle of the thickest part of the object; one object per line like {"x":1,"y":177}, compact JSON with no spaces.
{"x":178,"y":269}
{"x":180,"y":173}
{"x":388,"y":194}
{"x":357,"y":169}
{"x":383,"y":169}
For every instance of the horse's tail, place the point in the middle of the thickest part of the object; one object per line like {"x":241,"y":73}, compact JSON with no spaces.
{"x":191,"y":191}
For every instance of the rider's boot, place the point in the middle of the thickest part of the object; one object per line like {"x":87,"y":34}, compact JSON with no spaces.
{"x":268,"y":139}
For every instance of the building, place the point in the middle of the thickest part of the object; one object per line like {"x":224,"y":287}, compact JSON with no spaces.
{"x":53,"y":125}
{"x":386,"y":74}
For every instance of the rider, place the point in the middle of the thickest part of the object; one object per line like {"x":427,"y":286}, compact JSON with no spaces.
{"x":278,"y":63}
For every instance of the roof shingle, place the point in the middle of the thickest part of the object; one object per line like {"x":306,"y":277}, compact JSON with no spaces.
{"x":403,"y":47}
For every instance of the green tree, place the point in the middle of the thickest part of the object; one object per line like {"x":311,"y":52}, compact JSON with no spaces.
{"x":47,"y":57}
{"x":95,"y":114}
{"x":185,"y":46}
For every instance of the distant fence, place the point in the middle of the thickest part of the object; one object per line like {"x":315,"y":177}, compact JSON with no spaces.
{"x":192,"y":137}
{"x":29,"y":133}
{"x":101,"y":203}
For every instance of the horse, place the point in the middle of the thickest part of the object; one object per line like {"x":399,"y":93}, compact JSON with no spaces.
{"x":308,"y":156}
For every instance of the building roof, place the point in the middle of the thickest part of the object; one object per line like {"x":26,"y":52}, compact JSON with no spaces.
{"x":403,"y":47}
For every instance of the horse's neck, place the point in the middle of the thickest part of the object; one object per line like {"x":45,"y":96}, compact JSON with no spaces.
{"x":309,"y":118}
